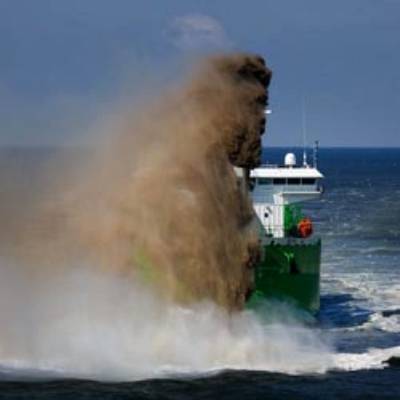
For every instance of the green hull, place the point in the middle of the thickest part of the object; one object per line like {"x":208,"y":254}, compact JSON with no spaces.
{"x":289,"y":271}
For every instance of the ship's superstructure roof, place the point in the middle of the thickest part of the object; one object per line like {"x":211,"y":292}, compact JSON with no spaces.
{"x":274,"y":171}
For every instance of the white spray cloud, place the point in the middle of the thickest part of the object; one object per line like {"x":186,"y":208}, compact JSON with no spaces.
{"x":91,"y":324}
{"x":198,"y":31}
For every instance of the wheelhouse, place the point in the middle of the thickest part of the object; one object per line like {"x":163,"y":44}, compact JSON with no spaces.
{"x":276,"y":191}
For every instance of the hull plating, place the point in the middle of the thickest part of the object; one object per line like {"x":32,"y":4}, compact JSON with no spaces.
{"x":289,"y":270}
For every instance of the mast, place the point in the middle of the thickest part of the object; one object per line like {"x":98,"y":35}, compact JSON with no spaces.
{"x":315,"y":154}
{"x":304,"y":132}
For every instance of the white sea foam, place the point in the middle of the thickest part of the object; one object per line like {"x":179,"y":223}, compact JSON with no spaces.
{"x":378,"y":290}
{"x":370,"y":291}
{"x":372,"y":359}
{"x":389,"y":323}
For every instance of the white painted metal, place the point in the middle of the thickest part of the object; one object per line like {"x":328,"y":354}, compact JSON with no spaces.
{"x":274,"y":187}
{"x":290,"y":160}
{"x":275,"y":171}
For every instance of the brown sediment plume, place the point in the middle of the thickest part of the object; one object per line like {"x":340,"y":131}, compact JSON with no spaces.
{"x":161,"y":198}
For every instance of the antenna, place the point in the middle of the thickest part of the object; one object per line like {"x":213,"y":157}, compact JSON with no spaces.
{"x":315,"y":155}
{"x":304,"y":131}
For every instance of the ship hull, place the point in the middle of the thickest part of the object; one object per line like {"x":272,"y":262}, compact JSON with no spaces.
{"x":289,"y":271}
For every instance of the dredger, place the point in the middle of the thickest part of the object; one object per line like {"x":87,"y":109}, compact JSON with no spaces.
{"x":289,"y":268}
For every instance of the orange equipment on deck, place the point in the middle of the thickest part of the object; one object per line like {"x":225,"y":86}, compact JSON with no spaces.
{"x":305,"y":227}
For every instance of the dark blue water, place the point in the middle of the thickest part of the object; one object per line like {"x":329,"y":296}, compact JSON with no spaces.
{"x":359,"y":221}
{"x":227,"y":385}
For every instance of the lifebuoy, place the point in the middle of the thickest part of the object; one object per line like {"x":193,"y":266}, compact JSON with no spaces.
{"x":305,"y":227}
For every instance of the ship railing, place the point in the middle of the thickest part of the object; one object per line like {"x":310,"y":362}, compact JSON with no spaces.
{"x":269,"y":166}
{"x":271,"y":228}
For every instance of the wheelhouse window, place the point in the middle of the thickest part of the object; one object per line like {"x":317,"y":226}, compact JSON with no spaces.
{"x":293,"y":181}
{"x":279,"y":181}
{"x":308,"y":181}
{"x":264,"y":181}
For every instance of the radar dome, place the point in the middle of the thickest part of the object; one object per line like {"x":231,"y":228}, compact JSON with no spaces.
{"x":290,"y":160}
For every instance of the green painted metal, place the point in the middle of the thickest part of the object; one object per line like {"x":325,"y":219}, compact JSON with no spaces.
{"x":289,"y":271}
{"x":291,"y":217}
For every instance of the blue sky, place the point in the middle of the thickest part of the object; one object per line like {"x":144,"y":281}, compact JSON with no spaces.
{"x":65,"y":64}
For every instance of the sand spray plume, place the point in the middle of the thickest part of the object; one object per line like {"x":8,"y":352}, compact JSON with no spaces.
{"x":162,"y":200}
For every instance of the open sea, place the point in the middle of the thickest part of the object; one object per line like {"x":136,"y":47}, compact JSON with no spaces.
{"x":358,"y":219}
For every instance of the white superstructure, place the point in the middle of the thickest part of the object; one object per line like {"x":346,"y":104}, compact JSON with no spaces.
{"x":274,"y":187}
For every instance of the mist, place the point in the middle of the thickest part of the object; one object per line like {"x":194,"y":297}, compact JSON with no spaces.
{"x":90,"y":324}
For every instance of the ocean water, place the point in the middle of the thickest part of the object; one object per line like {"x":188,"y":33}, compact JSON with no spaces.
{"x":351,"y":350}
